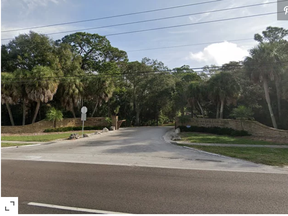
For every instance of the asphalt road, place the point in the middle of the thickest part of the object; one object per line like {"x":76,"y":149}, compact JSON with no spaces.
{"x":138,"y":146}
{"x":132,"y":189}
{"x":136,"y":170}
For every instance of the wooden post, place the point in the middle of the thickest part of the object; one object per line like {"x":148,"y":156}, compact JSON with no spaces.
{"x":114,"y":121}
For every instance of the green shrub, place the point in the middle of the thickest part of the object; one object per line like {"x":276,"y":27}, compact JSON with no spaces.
{"x":242,"y":113}
{"x":214,"y":130}
{"x":64,"y":129}
{"x":54,"y":115}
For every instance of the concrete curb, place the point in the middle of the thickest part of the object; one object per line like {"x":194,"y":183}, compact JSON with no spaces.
{"x":231,"y":145}
{"x":52,"y":141}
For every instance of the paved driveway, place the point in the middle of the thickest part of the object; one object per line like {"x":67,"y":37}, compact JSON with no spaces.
{"x":138,"y":146}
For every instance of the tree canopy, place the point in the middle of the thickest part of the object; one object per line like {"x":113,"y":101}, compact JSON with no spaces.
{"x":85,"y":69}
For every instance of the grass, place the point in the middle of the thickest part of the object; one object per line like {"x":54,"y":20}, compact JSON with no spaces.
{"x":194,"y":137}
{"x":14,"y":144}
{"x":268,"y":156}
{"x":42,"y":137}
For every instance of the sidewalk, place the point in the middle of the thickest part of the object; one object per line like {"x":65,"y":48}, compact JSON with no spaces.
{"x":229,"y":145}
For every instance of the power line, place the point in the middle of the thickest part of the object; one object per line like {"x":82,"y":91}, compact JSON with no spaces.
{"x":115,"y":16}
{"x":140,"y":73}
{"x":190,"y":24}
{"x":163,"y":18}
{"x":187,"y":45}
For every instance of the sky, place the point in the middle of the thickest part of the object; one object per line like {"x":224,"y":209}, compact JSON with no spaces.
{"x":197,"y":45}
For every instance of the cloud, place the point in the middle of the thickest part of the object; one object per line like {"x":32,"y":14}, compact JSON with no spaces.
{"x":197,"y":18}
{"x":25,"y":7}
{"x":182,"y":32}
{"x":220,"y":53}
{"x":46,"y":30}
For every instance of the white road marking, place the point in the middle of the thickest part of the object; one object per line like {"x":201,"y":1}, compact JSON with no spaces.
{"x":73,"y":208}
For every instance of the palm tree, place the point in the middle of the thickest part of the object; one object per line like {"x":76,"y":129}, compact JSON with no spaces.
{"x":9,"y":92}
{"x":22,"y":75}
{"x":223,"y":87}
{"x":71,"y":91}
{"x":195,"y":92}
{"x":42,"y":86}
{"x":54,"y":115}
{"x":99,"y":89}
{"x":261,"y":69}
{"x":273,"y":39}
{"x":71,"y":87}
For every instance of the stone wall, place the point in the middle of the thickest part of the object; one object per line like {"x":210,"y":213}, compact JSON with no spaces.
{"x":253,"y":127}
{"x":42,"y":125}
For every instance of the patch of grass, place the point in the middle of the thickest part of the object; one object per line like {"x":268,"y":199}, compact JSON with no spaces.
{"x":211,"y":138}
{"x":14,"y":144}
{"x":268,"y":156}
{"x":64,"y":129}
{"x":41,"y":138}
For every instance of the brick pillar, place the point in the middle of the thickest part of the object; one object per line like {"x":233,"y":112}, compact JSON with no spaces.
{"x":114,"y":121}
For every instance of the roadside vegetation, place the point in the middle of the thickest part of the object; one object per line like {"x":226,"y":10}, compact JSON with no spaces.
{"x":268,"y":156}
{"x":43,"y":78}
{"x":195,"y":137}
{"x":42,"y":137}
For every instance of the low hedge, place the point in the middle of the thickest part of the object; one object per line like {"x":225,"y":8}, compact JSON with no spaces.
{"x":63,"y":129}
{"x":214,"y":130}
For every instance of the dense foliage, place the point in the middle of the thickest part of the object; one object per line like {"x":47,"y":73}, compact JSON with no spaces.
{"x":214,"y":130}
{"x":85,"y":69}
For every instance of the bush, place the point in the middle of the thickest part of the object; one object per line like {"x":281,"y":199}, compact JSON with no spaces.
{"x":64,"y":129}
{"x":54,"y":115}
{"x":215,"y":130}
{"x":242,"y":113}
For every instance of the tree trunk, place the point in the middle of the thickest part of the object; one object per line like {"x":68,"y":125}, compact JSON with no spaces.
{"x":182,"y":111}
{"x":221,"y":108}
{"x":201,"y":109}
{"x":73,"y":112}
{"x":94,"y":110}
{"x":24,"y":113}
{"x":267,"y":97}
{"x":10,"y":114}
{"x":278,"y":91}
{"x":137,"y":116}
{"x":54,"y":123}
{"x":192,"y":113}
{"x":217,"y":112}
{"x":36,"y":112}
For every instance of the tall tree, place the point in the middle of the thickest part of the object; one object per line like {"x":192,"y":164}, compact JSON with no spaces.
{"x":71,"y":87}
{"x":94,"y":50}
{"x":183,"y":75}
{"x":260,"y":67}
{"x":278,"y":55}
{"x":9,"y":92}
{"x":223,"y":87}
{"x":137,"y":77}
{"x":43,"y":84}
{"x":195,"y":94}
{"x":29,"y":50}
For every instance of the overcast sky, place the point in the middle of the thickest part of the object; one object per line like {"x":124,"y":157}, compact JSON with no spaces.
{"x":217,"y":38}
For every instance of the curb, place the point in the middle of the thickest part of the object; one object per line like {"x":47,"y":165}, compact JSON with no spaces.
{"x":231,"y":145}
